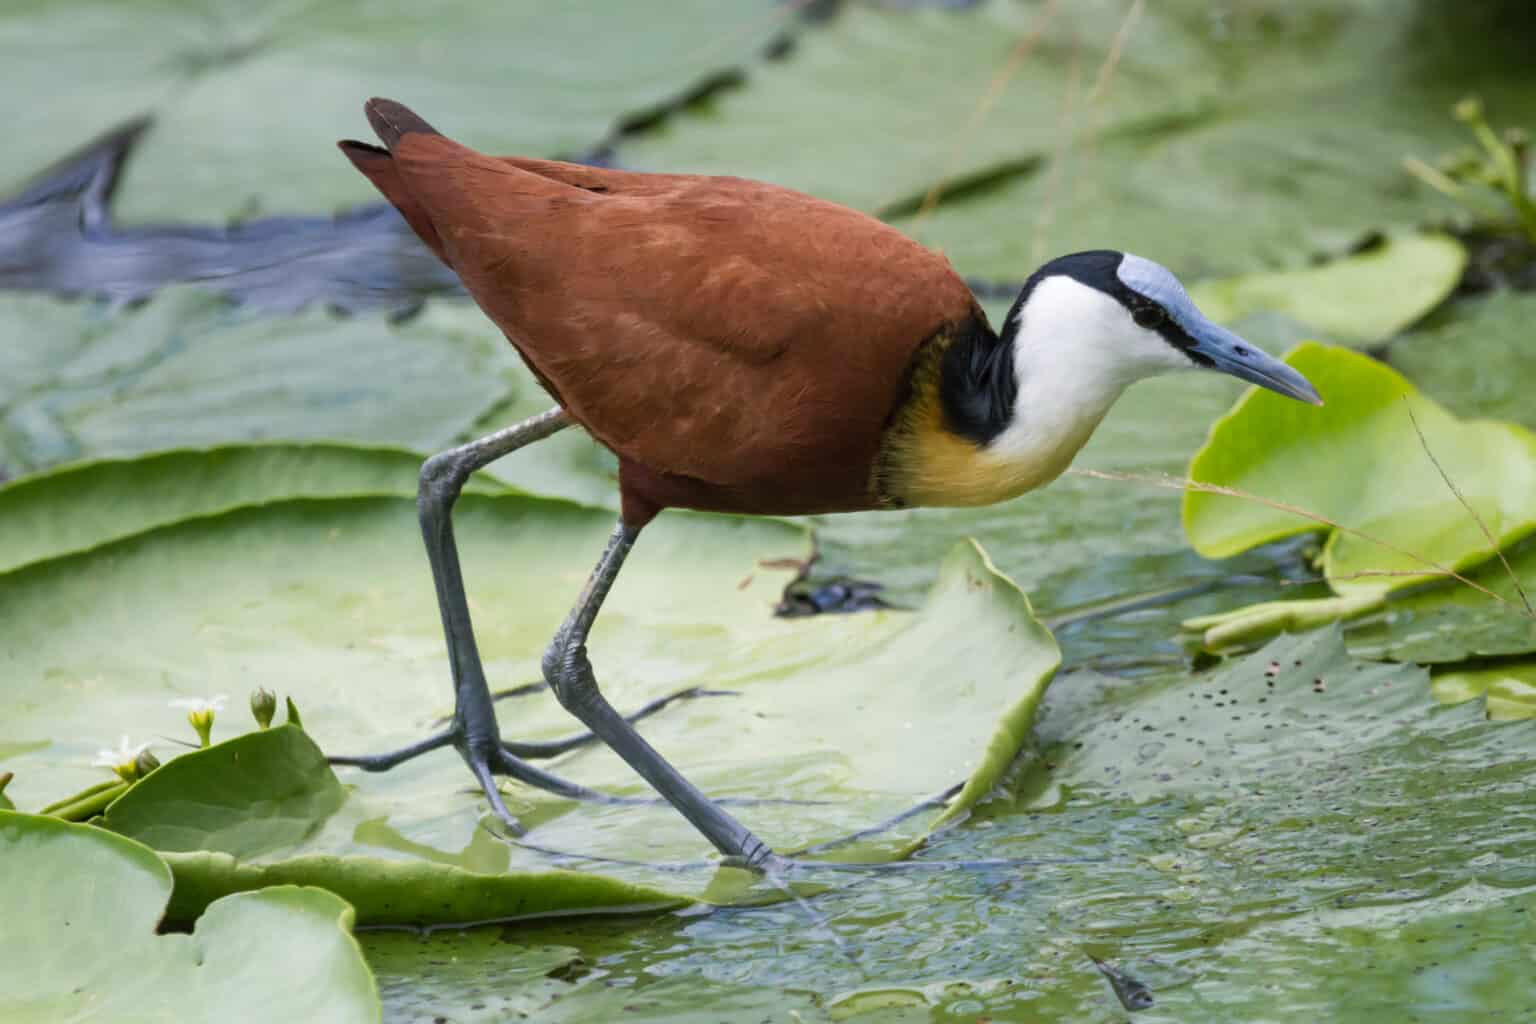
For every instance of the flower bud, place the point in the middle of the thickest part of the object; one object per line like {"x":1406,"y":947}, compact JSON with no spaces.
{"x":263,"y":707}
{"x":145,"y":763}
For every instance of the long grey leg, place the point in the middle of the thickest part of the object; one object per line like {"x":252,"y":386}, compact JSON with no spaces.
{"x":569,"y":672}
{"x":473,"y":731}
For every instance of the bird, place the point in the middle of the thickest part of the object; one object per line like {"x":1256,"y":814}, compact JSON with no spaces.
{"x":745,"y":348}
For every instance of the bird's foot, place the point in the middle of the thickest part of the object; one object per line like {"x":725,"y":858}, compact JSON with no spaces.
{"x":488,"y":759}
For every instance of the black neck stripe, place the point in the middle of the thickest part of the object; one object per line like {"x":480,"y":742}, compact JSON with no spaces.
{"x":977,"y":385}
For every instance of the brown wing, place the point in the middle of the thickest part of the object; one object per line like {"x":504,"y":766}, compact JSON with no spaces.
{"x":744,"y":336}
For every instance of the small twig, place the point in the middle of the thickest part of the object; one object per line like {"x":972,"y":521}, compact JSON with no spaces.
{"x":1185,"y":484}
{"x":989,"y":99}
{"x":1116,"y":50}
{"x":1100,"y":92}
{"x":1433,"y":177}
{"x":1059,"y":156}
{"x":1493,"y":541}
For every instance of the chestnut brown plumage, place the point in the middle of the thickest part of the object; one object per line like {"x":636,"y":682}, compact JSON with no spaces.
{"x":686,"y":322}
{"x":746,"y":348}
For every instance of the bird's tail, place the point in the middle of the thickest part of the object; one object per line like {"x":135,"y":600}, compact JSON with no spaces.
{"x":392,"y":122}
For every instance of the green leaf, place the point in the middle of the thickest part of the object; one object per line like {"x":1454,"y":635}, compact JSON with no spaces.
{"x":1212,"y":840}
{"x":50,"y":514}
{"x":226,"y":817}
{"x":526,"y":979}
{"x":520,"y":76}
{"x":1448,"y":956}
{"x":1478,"y":359}
{"x":1377,"y":478}
{"x":1294,"y":801}
{"x":1453,"y":623}
{"x":1033,"y":655}
{"x":1508,"y":690}
{"x":1213,"y":144}
{"x":329,"y":602}
{"x":1354,"y":301}
{"x":186,"y":371}
{"x":246,"y":796}
{"x":1271,"y":763}
{"x":88,"y":902}
{"x":418,"y":892}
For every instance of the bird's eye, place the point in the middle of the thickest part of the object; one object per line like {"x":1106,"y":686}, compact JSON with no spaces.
{"x":1148,"y":316}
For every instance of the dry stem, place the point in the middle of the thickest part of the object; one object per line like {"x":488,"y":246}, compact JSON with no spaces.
{"x":1493,"y":541}
{"x":1186,"y":484}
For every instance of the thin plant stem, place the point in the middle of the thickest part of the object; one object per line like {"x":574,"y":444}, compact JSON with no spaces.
{"x":1186,"y":484}
{"x":1482,"y":525}
{"x":989,"y":99}
{"x":1051,"y":198}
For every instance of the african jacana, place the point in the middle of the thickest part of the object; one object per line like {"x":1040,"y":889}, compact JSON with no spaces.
{"x":746,"y":348}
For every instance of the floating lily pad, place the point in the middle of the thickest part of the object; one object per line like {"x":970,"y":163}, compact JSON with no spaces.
{"x":395,"y":892}
{"x":55,"y":513}
{"x":1215,"y":143}
{"x":186,"y":370}
{"x":503,"y":976}
{"x":1359,"y":462}
{"x":1509,"y":690}
{"x":1479,"y":361}
{"x":79,"y":383}
{"x":215,"y":814}
{"x":515,"y":77}
{"x":1360,"y":299}
{"x":246,"y":796}
{"x":88,"y":902}
{"x":329,"y":602}
{"x":1455,"y":622}
{"x":1298,"y":792}
{"x":1212,"y":842}
{"x":1450,"y":957}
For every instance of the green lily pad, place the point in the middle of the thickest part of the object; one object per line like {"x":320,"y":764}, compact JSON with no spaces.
{"x":1357,"y":300}
{"x":88,"y":902}
{"x":187,"y":371}
{"x":1451,"y":623}
{"x":78,"y":383}
{"x":418,"y":892}
{"x":327,"y":601}
{"x":515,"y":77}
{"x":503,"y":976}
{"x":1291,"y":798}
{"x":1275,"y":133}
{"x":1360,"y":463}
{"x":54,"y":513}
{"x":214,"y":813}
{"x":1450,"y":957}
{"x":1479,"y":360}
{"x":1213,"y":842}
{"x":1509,"y":691}
{"x":1217,"y":144}
{"x":246,"y":796}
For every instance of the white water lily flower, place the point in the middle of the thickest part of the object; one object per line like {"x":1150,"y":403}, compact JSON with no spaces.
{"x":126,"y":760}
{"x":126,"y":753}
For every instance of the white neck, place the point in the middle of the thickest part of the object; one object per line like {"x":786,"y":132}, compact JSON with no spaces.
{"x":1073,"y":356}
